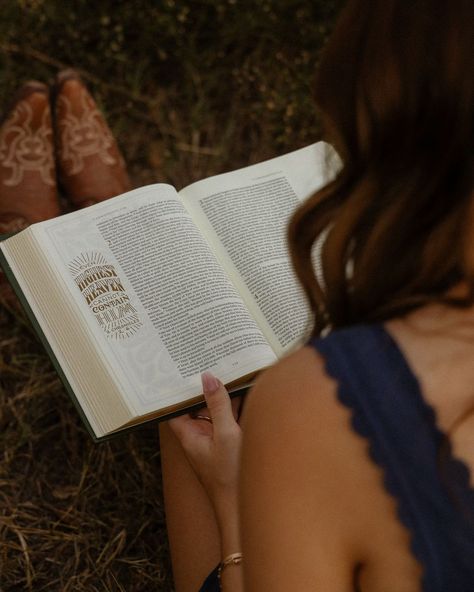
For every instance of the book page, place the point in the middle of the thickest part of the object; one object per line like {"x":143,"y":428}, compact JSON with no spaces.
{"x":157,"y":303}
{"x":244,"y":214}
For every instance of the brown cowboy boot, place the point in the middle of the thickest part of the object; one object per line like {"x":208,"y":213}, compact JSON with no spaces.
{"x":91,"y":168}
{"x":28,"y":191}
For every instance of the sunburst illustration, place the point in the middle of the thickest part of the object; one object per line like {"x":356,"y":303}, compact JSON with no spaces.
{"x":85,"y":261}
{"x":129,"y":330}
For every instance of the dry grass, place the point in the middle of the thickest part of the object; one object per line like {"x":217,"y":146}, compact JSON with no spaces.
{"x":190,"y":88}
{"x":74,"y":516}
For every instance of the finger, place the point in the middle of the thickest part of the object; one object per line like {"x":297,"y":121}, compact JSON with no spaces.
{"x":186,"y":428}
{"x":179,"y":425}
{"x":218,"y":402}
{"x":201,"y":412}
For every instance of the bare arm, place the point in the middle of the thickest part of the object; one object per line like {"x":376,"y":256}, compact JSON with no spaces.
{"x":296,"y":495}
{"x":211,"y":441}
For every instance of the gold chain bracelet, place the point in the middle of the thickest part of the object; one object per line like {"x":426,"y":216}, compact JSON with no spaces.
{"x":233,"y":559}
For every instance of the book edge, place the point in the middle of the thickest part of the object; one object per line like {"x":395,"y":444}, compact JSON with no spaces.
{"x":44,"y":341}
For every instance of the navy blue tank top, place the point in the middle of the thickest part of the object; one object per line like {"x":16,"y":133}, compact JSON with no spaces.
{"x":434,"y":499}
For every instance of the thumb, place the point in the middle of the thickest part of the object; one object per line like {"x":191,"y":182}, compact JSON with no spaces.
{"x":218,"y":402}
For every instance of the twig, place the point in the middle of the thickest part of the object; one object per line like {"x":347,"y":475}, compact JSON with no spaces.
{"x":196,"y":149}
{"x":29,"y":567}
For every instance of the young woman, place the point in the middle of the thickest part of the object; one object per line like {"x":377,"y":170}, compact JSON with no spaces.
{"x":356,"y":452}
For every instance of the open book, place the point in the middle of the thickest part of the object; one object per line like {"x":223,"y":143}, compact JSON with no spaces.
{"x":134,"y":297}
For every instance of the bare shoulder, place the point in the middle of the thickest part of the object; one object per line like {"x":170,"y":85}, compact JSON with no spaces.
{"x":296,"y":392}
{"x":291,"y":496}
{"x":293,"y":408}
{"x":303,"y":369}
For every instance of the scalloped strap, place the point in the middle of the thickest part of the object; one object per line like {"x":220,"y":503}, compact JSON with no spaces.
{"x":388,"y":409}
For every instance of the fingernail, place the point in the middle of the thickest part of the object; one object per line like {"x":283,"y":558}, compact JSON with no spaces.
{"x":209,"y":382}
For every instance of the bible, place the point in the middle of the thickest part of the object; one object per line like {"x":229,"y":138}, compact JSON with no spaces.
{"x":135,"y":296}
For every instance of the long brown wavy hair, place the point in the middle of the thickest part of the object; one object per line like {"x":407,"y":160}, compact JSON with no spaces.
{"x":395,"y":91}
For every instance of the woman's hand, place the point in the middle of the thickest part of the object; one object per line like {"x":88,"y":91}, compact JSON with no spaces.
{"x":211,"y":439}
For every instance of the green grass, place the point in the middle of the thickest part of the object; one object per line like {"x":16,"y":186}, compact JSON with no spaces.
{"x":190,"y":88}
